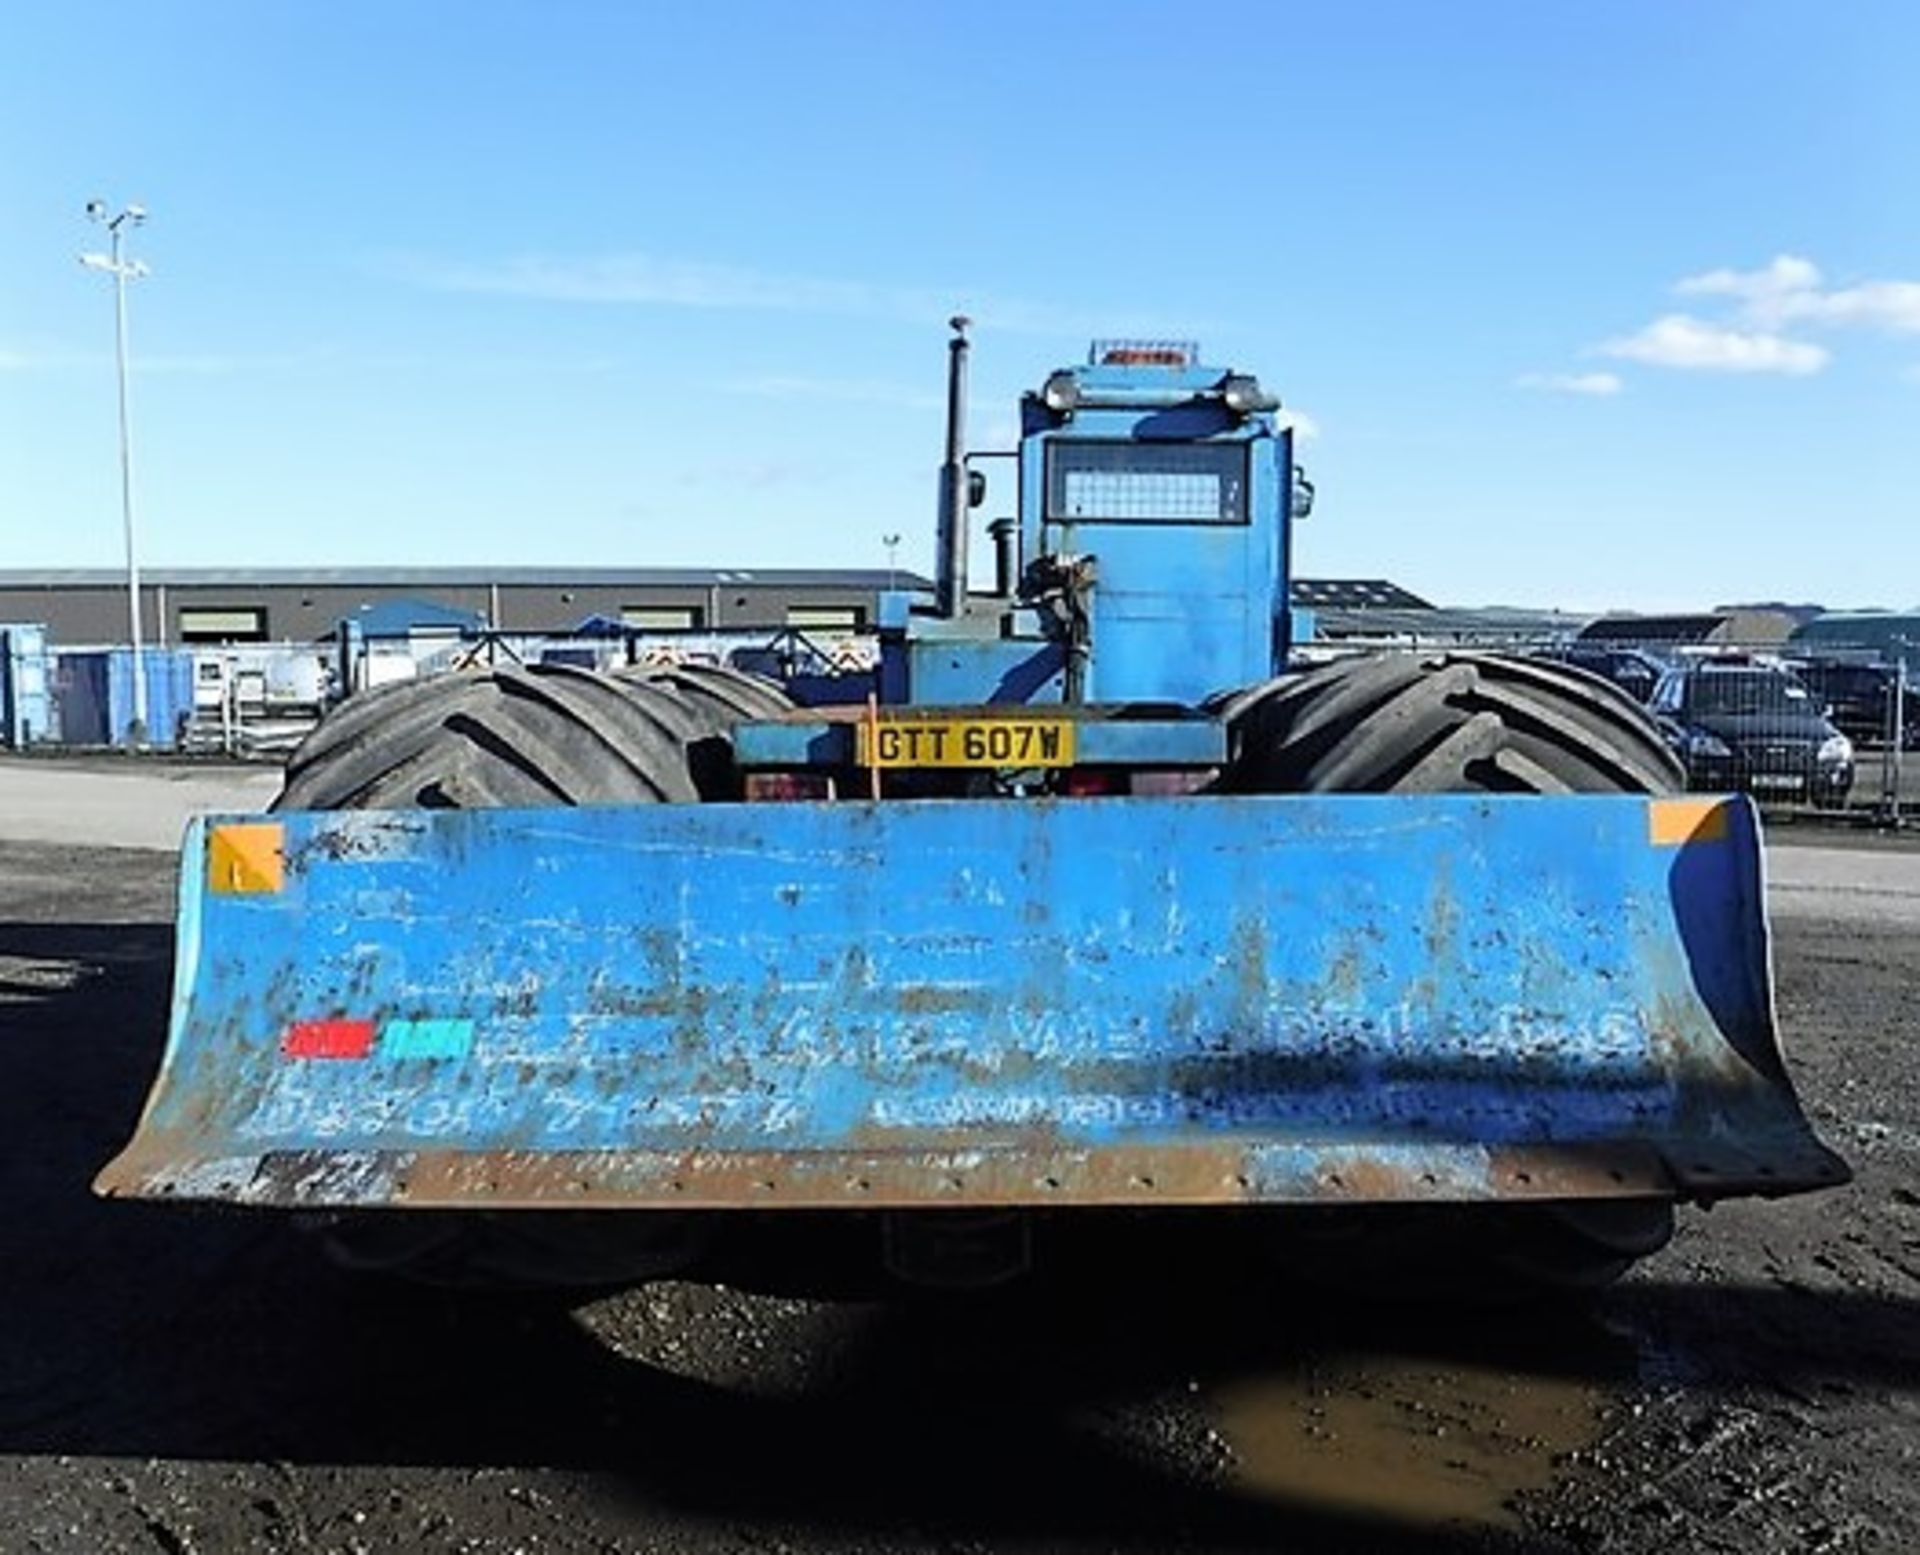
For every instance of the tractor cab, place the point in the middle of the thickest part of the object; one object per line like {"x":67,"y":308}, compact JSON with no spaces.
{"x":1155,"y":495}
{"x":1175,"y":477}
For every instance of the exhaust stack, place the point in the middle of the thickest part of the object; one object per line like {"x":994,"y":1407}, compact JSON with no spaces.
{"x":950,"y":575}
{"x":1006,"y":555}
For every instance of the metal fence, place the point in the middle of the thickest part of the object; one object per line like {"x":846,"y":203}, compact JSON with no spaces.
{"x":1811,"y":731}
{"x":1829,"y":729}
{"x":783,"y":653}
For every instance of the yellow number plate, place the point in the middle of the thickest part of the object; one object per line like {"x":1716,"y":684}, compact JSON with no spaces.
{"x":967,"y":742}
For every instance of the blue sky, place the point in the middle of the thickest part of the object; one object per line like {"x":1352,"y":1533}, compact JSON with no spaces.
{"x":1585,"y":304}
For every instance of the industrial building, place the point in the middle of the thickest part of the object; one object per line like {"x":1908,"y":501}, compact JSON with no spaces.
{"x":189,"y":606}
{"x":192,"y":605}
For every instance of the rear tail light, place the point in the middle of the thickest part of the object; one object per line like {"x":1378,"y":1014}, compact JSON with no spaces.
{"x":1171,"y":783}
{"x":788,"y":785}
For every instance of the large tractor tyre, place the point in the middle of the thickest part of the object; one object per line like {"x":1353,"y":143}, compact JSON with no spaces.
{"x":535,"y":736}
{"x":718,"y":697}
{"x":1443,"y":723}
{"x":729,"y":693}
{"x":538,"y":736}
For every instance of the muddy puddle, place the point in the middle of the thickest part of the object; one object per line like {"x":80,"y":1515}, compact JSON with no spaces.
{"x":1429,"y":1417}
{"x":1427,"y":1442}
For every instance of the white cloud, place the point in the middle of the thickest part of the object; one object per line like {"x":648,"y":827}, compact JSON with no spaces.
{"x":1893,"y":306}
{"x":647,"y":279}
{"x":1784,"y":276}
{"x":1769,"y":308}
{"x":1591,"y":384}
{"x":1680,"y":340}
{"x":1788,"y":290}
{"x":1305,"y":428}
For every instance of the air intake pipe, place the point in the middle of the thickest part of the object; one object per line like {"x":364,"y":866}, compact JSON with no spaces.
{"x":950,"y":570}
{"x":1006,"y":555}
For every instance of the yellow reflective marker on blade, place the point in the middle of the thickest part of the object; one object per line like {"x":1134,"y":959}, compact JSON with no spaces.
{"x":246,"y":858}
{"x":1672,"y":823}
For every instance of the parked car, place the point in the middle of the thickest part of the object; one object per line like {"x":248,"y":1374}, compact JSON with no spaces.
{"x":1633,"y":670}
{"x":1749,"y":725}
{"x":1859,"y":699}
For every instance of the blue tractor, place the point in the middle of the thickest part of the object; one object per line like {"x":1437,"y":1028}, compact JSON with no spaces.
{"x":1084,"y":899}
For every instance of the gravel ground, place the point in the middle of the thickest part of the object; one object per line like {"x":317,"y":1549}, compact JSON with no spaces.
{"x":1777,"y":1404}
{"x":202,"y":1382}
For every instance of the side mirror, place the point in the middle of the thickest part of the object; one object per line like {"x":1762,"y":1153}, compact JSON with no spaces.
{"x":976,"y":488}
{"x":1300,"y":504}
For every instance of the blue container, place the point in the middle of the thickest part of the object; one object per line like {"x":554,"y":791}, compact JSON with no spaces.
{"x":96,"y":695}
{"x":169,"y":676}
{"x":80,"y":687}
{"x":26,"y":689}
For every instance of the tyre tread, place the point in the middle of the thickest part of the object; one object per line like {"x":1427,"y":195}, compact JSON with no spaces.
{"x":1451,"y":722}
{"x":530,"y":736}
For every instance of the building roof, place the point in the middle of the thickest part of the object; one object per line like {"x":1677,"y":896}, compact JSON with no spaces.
{"x":453,"y":577}
{"x":397,"y":617}
{"x":1844,"y":618}
{"x":1354,"y":594}
{"x":1656,"y":629}
{"x":1444,"y":624}
{"x":1891,"y":633}
{"x":1799,"y":612}
{"x":1758,"y":626}
{"x":1318,"y":593}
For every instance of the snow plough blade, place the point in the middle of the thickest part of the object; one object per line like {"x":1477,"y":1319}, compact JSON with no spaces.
{"x":1136,"y":1001}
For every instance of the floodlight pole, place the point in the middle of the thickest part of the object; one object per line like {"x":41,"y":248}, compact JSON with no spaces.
{"x":122,"y":271}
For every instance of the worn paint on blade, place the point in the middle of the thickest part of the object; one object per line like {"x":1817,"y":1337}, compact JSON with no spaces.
{"x":246,"y":858}
{"x":1033,"y":1174}
{"x":365,"y":837}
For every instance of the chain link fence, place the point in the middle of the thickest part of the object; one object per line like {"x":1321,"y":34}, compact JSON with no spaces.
{"x":1828,"y":730}
{"x":1796,"y":731}
{"x":258,"y":701}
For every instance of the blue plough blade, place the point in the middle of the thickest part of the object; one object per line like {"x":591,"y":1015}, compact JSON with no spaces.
{"x":1136,"y":1001}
